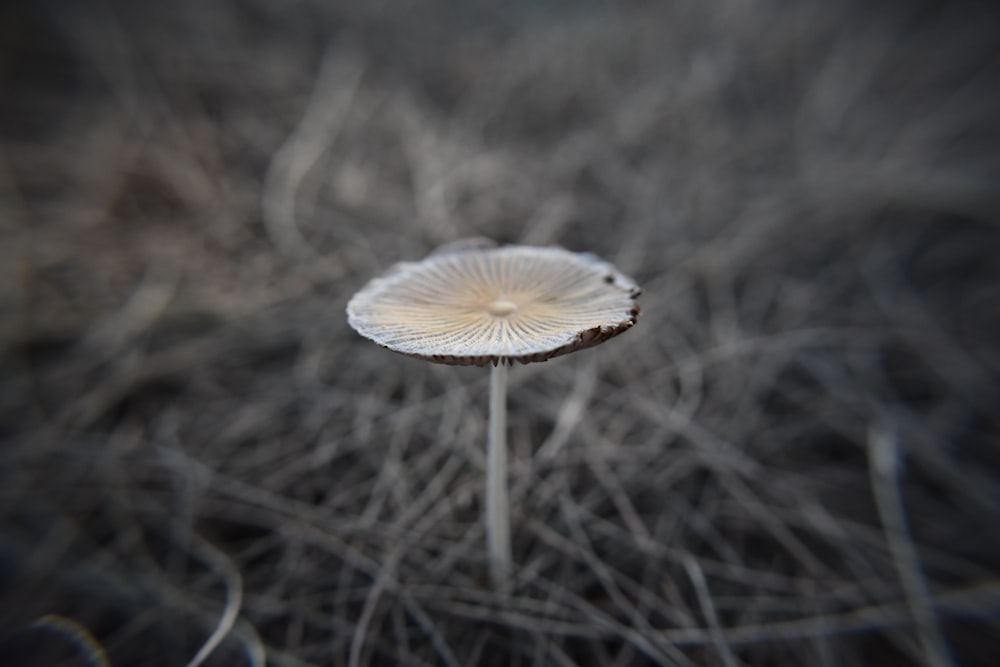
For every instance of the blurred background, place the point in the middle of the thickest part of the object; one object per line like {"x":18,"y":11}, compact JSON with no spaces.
{"x":792,"y":459}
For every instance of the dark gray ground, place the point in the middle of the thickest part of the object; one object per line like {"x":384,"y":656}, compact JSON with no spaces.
{"x":193,"y":439}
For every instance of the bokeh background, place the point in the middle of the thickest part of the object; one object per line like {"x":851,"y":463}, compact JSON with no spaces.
{"x":792,"y":459}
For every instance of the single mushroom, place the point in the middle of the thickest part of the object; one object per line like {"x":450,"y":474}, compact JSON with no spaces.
{"x":478,"y":304}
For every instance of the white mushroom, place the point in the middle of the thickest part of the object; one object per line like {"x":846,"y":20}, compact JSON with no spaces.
{"x":476,"y":305}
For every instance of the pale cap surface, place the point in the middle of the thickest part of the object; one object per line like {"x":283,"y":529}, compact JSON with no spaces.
{"x":476,"y":305}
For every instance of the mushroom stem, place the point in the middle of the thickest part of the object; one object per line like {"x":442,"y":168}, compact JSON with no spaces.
{"x":497,"y":504}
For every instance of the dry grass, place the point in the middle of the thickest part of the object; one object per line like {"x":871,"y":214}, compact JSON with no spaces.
{"x":792,"y":460}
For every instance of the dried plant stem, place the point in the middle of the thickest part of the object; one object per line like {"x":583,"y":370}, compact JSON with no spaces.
{"x":497,"y":504}
{"x":234,"y":601}
{"x":884,"y":458}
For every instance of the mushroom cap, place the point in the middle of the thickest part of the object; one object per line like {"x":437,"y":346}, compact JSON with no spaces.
{"x":475,"y":305}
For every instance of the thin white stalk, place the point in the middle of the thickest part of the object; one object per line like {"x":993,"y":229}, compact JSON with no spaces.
{"x":497,"y":504}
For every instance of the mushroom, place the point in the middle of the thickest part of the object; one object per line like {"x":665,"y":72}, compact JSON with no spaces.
{"x":475,"y":303}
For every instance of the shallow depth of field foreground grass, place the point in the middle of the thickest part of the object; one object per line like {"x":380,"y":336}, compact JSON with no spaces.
{"x":792,"y":459}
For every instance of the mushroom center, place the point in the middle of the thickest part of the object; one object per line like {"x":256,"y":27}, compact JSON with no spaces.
{"x":501,"y":307}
